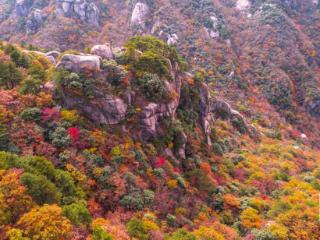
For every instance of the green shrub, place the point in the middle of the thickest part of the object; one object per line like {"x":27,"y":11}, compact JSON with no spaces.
{"x":133,"y":201}
{"x":217,"y":148}
{"x":263,"y":234}
{"x":137,"y":229}
{"x":65,"y":183}
{"x":31,"y":114}
{"x":152,"y":63}
{"x":202,"y":181}
{"x":153,"y":88}
{"x":150,"y":54}
{"x":171,"y":220}
{"x":20,"y":59}
{"x":37,"y":71}
{"x":10,"y":76}
{"x":115,"y":73}
{"x":77,"y":213}
{"x":4,"y":138}
{"x":239,"y":124}
{"x":181,"y":234}
{"x":137,"y":200}
{"x":94,"y":158}
{"x":77,"y":84}
{"x":36,"y":165}
{"x":59,"y":137}
{"x":148,"y":196}
{"x":41,"y":189}
{"x":99,"y":234}
{"x":30,"y":85}
{"x":274,"y":134}
{"x":7,"y":160}
{"x":159,"y":172}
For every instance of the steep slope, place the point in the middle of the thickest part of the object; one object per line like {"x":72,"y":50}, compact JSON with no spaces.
{"x":253,"y":52}
{"x":133,"y":146}
{"x":137,"y":143}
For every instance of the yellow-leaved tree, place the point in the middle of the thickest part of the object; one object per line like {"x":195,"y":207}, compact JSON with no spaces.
{"x":45,"y":223}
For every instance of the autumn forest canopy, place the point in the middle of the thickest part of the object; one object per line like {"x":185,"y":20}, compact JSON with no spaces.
{"x":197,"y":120}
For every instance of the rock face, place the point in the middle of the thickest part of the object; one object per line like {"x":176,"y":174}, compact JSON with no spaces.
{"x":35,"y":20}
{"x":213,"y":30}
{"x":53,"y":54}
{"x":81,"y":9}
{"x":139,"y":15}
{"x":206,"y":117}
{"x":172,"y":39}
{"x":80,"y":63}
{"x":104,"y":51}
{"x":22,"y":7}
{"x":212,"y":109}
{"x":221,"y":109}
{"x":313,"y":107}
{"x":107,"y":110}
{"x":153,"y":112}
{"x":104,"y":108}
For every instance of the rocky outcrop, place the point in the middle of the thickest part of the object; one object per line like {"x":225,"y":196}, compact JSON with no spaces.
{"x":221,"y":109}
{"x":81,"y":9}
{"x":153,"y":112}
{"x":213,"y":108}
{"x":80,"y":63}
{"x":106,"y":110}
{"x":172,"y":39}
{"x":104,"y":51}
{"x":313,"y":107}
{"x":22,"y":7}
{"x":206,"y":117}
{"x":213,"y":31}
{"x":34,"y":21}
{"x":54,"y":54}
{"x":139,"y":15}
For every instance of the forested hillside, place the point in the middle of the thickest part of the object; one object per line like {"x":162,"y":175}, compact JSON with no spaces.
{"x":159,"y":120}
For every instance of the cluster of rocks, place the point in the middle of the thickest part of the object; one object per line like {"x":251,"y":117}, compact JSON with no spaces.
{"x":34,"y":20}
{"x":34,"y":16}
{"x":110,"y":110}
{"x":22,"y":7}
{"x":81,"y":9}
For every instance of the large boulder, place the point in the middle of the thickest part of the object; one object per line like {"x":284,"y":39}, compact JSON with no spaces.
{"x":104,"y":51}
{"x":80,"y":63}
